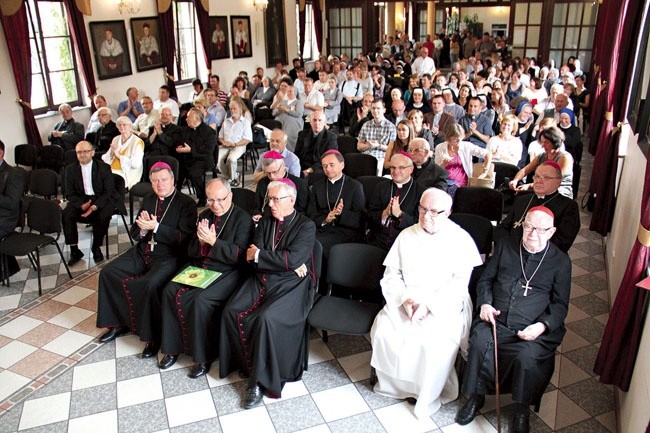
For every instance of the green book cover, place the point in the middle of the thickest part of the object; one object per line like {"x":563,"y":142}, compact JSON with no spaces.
{"x":196,"y":277}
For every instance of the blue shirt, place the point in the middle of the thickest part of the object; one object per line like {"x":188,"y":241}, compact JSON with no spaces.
{"x":122,"y":106}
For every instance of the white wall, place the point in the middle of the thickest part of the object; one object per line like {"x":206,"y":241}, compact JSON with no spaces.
{"x":147,"y":82}
{"x":487,"y":16}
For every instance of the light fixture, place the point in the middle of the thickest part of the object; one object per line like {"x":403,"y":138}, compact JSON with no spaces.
{"x":260,"y":5}
{"x":128,"y":6}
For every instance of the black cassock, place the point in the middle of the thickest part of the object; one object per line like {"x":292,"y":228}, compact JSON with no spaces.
{"x":130,"y":286}
{"x":264,"y":325}
{"x":347,"y":227}
{"x":302,"y":196}
{"x":525,"y":367}
{"x":384,"y":233}
{"x":191,"y":316}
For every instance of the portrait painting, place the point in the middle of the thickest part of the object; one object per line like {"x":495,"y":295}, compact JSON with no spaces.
{"x":111,"y":49}
{"x":240,"y":31}
{"x":219,"y":43}
{"x":146,"y":43}
{"x":276,"y":38}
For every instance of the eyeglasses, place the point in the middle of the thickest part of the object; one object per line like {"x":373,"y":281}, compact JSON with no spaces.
{"x":540,"y":230}
{"x":544,"y":178}
{"x":276,"y":200}
{"x":273,"y":173}
{"x":418,"y":150}
{"x":400,"y":167}
{"x":83,"y":152}
{"x":431,"y":212}
{"x":218,"y":201}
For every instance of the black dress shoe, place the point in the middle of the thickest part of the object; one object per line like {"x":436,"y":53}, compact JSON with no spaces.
{"x":167,"y":361}
{"x":150,"y":350}
{"x":470,"y":409}
{"x":253,"y":397}
{"x":199,"y":369}
{"x":97,"y":255}
{"x":520,"y":422}
{"x":75,"y":256}
{"x":113,"y":333}
{"x":411,"y":400}
{"x":373,"y":376}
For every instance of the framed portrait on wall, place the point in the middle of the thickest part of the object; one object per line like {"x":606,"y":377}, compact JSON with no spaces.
{"x":275,"y":35}
{"x":111,"y":49}
{"x":146,"y":43}
{"x":240,"y":31}
{"x":219,"y":43}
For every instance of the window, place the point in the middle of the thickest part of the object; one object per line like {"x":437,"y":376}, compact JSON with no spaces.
{"x":423,"y":15}
{"x":54,"y":64}
{"x":345,"y":31}
{"x":311,"y":50}
{"x":527,"y":29}
{"x":185,"y":35}
{"x":572,"y":34}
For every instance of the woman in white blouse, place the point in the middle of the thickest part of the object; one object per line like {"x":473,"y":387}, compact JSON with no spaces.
{"x":505,"y":147}
{"x":126,"y":153}
{"x":235,"y":133}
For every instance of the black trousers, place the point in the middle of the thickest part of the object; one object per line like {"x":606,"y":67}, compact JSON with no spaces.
{"x":99,"y":219}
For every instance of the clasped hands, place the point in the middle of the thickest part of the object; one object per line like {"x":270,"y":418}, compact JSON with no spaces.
{"x":87,"y":207}
{"x":331,"y":216}
{"x":414,"y":310}
{"x":529,"y":333}
{"x":185,"y":148}
{"x":206,"y":232}
{"x":146,"y":222}
{"x":393,"y":208}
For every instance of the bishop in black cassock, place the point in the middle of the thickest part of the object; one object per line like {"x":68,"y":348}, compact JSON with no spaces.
{"x":524,"y":290}
{"x":191,"y":316}
{"x":264,"y":330}
{"x":274,"y":168}
{"x":337,"y":205}
{"x":130,"y":287}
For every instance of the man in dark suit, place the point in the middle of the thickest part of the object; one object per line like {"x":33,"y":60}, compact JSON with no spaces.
{"x":106,"y":132}
{"x":312,"y":143}
{"x":91,"y":195}
{"x":68,"y":132}
{"x":438,"y":120}
{"x":427,"y":173}
{"x":12,"y":185}
{"x":165,"y":136}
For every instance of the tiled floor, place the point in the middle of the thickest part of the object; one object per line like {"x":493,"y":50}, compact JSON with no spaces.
{"x":55,"y":377}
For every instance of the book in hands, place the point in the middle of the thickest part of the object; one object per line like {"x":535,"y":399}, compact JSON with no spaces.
{"x":196,"y":277}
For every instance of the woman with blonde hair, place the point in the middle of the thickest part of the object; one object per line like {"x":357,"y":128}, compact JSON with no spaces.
{"x":506,"y":147}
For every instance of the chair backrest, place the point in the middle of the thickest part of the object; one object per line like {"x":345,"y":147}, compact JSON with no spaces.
{"x":359,"y":164}
{"x":271,"y":124}
{"x":44,"y":216}
{"x":502,"y":171}
{"x":347,"y":144}
{"x":26,"y":155}
{"x":43,"y":182}
{"x":356,"y":267}
{"x":120,"y":193}
{"x":70,"y":157}
{"x":479,"y":200}
{"x":244,"y":198}
{"x":317,"y":253}
{"x":478,"y":227}
{"x":369,"y":184}
{"x":51,"y":157}
{"x":151,"y":160}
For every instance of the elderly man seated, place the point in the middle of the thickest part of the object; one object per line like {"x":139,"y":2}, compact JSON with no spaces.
{"x":394,"y":205}
{"x":274,"y":168}
{"x":278,"y":143}
{"x":426,"y":172}
{"x":416,"y":336}
{"x":524,"y":294}
{"x":68,"y":132}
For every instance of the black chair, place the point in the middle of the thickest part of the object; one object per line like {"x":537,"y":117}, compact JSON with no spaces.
{"x":244,"y":198}
{"x":271,"y":124}
{"x":51,"y":157}
{"x":120,"y":207}
{"x":369,"y":184}
{"x":359,"y":164}
{"x":143,"y":187}
{"x":479,"y":228}
{"x":69,"y":157}
{"x":347,"y":144}
{"x":503,"y":171}
{"x":26,"y":155}
{"x":479,"y":200}
{"x":355,"y":269}
{"x":43,"y":182}
{"x":43,"y":216}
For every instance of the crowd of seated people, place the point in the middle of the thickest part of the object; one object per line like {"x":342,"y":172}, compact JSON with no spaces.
{"x":425,"y":127}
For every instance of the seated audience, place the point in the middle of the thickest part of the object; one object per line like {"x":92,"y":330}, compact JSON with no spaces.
{"x":107,"y":131}
{"x":361,"y":116}
{"x":130,"y":108}
{"x":524,"y":294}
{"x":130,"y":286}
{"x":235,"y":134}
{"x":506,"y":147}
{"x":438,"y":120}
{"x":191,"y":316}
{"x":146,"y":120}
{"x":428,"y":312}
{"x":68,"y":132}
{"x":165,"y":136}
{"x":376,"y":135}
{"x":312,"y":143}
{"x":426,"y":172}
{"x":478,"y":127}
{"x":278,"y":142}
{"x":417,"y":119}
{"x":165,"y":101}
{"x":126,"y":153}
{"x":214,"y":107}
{"x":263,"y":327}
{"x":333,"y":97}
{"x":289,"y":112}
{"x":404,"y":136}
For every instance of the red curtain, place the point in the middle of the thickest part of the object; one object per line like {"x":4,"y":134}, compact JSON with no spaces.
{"x":80,"y":40}
{"x":168,"y":45}
{"x":302,"y":24}
{"x":204,"y":29}
{"x":318,"y":23}
{"x":16,"y":30}
{"x":622,"y":23}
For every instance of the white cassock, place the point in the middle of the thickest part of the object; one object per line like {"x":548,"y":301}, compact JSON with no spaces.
{"x":416,"y":359}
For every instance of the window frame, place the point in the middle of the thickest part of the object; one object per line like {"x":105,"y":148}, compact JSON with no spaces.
{"x":180,"y":79}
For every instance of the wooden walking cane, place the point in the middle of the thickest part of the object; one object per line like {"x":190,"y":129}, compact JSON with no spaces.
{"x":496,"y":375}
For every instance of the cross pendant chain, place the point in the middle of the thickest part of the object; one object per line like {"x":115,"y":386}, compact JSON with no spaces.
{"x":152,"y":243}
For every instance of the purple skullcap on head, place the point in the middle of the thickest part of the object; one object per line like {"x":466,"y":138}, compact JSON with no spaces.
{"x":287,"y":181}
{"x":330,"y":152}
{"x":553,"y":164}
{"x":272,"y":154}
{"x":406,"y":154}
{"x":160,"y":165}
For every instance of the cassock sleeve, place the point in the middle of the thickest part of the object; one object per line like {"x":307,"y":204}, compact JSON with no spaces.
{"x":354,"y":210}
{"x":554,"y":315}
{"x":178,"y":234}
{"x":292,"y":255}
{"x":568,"y":230}
{"x":106,"y":197}
{"x":231,"y":252}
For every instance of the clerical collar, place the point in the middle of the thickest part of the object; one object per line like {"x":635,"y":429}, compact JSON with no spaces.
{"x":168,"y":195}
{"x":399,"y":185}
{"x":552,"y":195}
{"x":333,"y":181}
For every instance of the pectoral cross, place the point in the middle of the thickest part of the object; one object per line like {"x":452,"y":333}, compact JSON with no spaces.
{"x":517,"y":224}
{"x":526,"y":287}
{"x":152,"y":243}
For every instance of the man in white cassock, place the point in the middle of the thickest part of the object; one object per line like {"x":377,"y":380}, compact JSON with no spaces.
{"x":428,"y":312}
